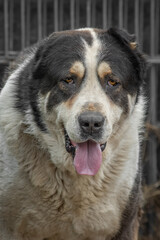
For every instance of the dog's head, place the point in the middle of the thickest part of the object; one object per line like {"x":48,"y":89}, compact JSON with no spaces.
{"x":82,"y":84}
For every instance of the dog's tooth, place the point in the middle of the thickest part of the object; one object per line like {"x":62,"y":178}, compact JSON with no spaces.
{"x":103,"y":146}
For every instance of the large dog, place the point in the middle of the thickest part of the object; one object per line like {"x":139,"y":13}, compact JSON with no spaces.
{"x":71,"y":115}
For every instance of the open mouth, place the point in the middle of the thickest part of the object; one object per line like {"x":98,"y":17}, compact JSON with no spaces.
{"x":71,"y":148}
{"x":87,"y":155}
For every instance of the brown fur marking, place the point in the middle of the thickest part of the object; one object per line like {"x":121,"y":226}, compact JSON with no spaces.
{"x":89,"y":106}
{"x":104,"y":69}
{"x":69,"y":103}
{"x":133,"y":45}
{"x":77,"y":69}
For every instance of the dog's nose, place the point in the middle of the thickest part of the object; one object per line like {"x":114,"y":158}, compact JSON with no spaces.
{"x":91,"y":122}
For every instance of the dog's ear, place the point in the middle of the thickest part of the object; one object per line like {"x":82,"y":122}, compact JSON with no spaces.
{"x":43,"y":55}
{"x":128,"y":41}
{"x":38,"y":67}
{"x":124,"y":37}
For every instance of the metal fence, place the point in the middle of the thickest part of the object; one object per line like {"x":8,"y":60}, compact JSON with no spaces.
{"x":24,"y":22}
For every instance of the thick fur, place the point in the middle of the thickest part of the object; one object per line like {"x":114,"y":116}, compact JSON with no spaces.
{"x":41,"y":194}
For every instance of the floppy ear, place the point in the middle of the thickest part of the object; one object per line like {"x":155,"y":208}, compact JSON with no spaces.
{"x":128,"y":42}
{"x":123,"y":36}
{"x":42,"y":54}
{"x":38,"y":68}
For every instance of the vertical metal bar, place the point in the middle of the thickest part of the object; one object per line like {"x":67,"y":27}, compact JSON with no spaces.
{"x":44,"y":17}
{"x":88,"y":17}
{"x":72,"y":13}
{"x":120,"y":13}
{"x":6,"y":27}
{"x":77,"y":14}
{"x":152,"y":21}
{"x":28,"y":23}
{"x":153,"y":103}
{"x":157,"y":26}
{"x":22,"y":24}
{"x":125,"y":21}
{"x":104,"y":14}
{"x":93,"y":13}
{"x":136,"y":19}
{"x":109,"y":12}
{"x":61,"y":15}
{"x":141,"y":22}
{"x":39,"y":5}
{"x":55,"y":15}
{"x":11,"y":21}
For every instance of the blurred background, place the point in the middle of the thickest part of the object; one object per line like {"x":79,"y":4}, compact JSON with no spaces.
{"x":24,"y":22}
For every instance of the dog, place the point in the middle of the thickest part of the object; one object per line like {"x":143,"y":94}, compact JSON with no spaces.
{"x":71,"y":120}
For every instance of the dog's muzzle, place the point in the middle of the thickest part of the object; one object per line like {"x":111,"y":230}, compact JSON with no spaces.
{"x":91,"y":124}
{"x":87,"y":153}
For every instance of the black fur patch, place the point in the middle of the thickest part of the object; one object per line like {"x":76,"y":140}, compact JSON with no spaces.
{"x":52,"y":63}
{"x":131,"y":216}
{"x":50,"y":66}
{"x":127,"y":65}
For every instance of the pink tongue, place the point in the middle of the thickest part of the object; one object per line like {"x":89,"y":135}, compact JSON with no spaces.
{"x":88,"y":158}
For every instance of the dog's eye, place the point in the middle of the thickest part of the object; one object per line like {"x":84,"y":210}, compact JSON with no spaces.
{"x":69,"y":80}
{"x":112,"y":82}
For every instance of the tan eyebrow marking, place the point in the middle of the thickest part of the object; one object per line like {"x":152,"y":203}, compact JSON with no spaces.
{"x":77,"y":69}
{"x":104,"y":69}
